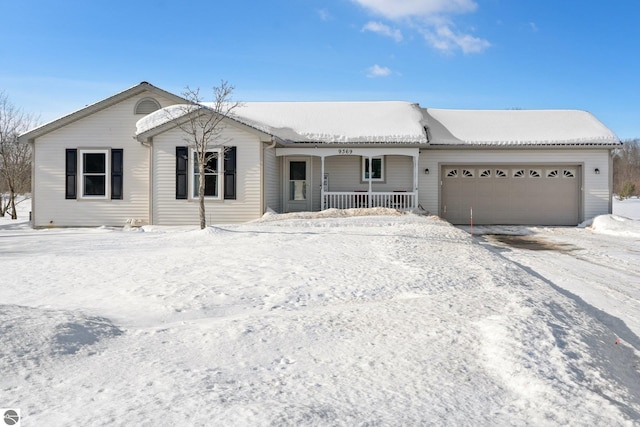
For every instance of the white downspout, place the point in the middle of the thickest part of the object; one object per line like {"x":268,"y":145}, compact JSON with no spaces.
{"x":32,"y":214}
{"x":151,"y":183}
{"x":415,"y":180}
{"x":263,"y":190}
{"x":149,"y":144}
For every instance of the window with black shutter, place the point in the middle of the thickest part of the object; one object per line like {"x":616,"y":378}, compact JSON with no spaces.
{"x":230,"y":173}
{"x":71,"y":175}
{"x":88,"y":174}
{"x":181,"y":172}
{"x":116,"y":173}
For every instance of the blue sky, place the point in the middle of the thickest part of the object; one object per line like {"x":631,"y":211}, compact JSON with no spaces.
{"x":56,"y":57}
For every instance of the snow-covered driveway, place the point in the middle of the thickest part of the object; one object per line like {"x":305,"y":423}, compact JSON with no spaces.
{"x":599,"y":270}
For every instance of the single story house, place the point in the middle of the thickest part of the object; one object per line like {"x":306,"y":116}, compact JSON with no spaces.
{"x":124,"y":159}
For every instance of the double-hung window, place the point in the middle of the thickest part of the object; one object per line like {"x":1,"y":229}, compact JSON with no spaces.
{"x":375,"y":169}
{"x":93,"y":173}
{"x":212,"y":179}
{"x":219,"y":173}
{"x":94,"y":165}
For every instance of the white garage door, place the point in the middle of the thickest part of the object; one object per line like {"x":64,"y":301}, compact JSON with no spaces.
{"x":515,"y":194}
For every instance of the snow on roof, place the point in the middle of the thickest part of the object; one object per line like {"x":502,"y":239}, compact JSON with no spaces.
{"x":343,"y":122}
{"x":162,"y":116}
{"x":403,"y":122}
{"x":516,"y":127}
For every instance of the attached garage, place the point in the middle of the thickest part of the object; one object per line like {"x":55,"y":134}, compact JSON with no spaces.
{"x":511,"y":194}
{"x":516,"y":167}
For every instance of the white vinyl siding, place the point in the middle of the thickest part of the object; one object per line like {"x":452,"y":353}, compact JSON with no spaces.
{"x":345,"y":174}
{"x":272,"y":179}
{"x":595,"y":196}
{"x":247,"y":205}
{"x":112,"y":127}
{"x":398,"y":174}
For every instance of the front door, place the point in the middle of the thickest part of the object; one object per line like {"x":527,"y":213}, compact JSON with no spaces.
{"x":298,"y":185}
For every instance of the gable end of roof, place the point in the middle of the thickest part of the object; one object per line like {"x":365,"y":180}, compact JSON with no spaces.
{"x":94,"y":108}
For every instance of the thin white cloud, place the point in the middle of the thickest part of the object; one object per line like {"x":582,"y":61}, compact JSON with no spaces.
{"x":382,"y":29}
{"x":429,"y":17}
{"x":378,"y":71}
{"x":443,"y":38}
{"x":395,"y":9}
{"x":324,"y":14}
{"x":533,"y":27}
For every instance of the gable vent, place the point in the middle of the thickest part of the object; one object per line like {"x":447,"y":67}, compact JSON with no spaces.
{"x":147,"y":106}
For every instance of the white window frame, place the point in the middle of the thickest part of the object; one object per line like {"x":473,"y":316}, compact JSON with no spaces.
{"x":364,"y":168}
{"x":193,"y":190}
{"x":107,"y":173}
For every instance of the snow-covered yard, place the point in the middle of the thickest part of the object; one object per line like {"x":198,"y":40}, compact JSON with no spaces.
{"x":322,"y":319}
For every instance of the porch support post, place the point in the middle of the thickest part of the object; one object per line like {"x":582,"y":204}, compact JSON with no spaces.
{"x":369,"y":169}
{"x":415,"y":180}
{"x":322,"y":181}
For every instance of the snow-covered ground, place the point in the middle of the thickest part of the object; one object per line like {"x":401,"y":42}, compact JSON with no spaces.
{"x":629,"y":208}
{"x":382,"y":319}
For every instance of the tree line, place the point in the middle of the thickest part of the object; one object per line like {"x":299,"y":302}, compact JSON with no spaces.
{"x":626,"y":169}
{"x":15,"y":157}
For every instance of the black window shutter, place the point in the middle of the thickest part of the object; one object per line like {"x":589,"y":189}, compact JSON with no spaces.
{"x":230,"y":173}
{"x":116,"y":173}
{"x":181,"y":172}
{"x":71,"y":173}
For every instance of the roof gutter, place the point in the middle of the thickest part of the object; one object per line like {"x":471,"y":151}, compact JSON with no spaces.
{"x":549,"y":146}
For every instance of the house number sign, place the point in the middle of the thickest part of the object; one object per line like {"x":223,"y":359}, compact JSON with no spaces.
{"x":345,"y":151}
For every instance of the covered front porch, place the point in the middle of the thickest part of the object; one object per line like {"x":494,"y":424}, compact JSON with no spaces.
{"x":364,"y":199}
{"x":344,"y":178}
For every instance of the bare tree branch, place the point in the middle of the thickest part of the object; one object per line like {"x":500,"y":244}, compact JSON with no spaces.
{"x":203,"y":126}
{"x":15,"y":157}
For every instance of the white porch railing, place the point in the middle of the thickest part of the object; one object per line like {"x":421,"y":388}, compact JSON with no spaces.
{"x":364,"y":199}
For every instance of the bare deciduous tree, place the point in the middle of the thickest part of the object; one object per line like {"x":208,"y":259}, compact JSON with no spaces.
{"x":626,"y":169}
{"x":15,"y":157}
{"x":203,"y":126}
